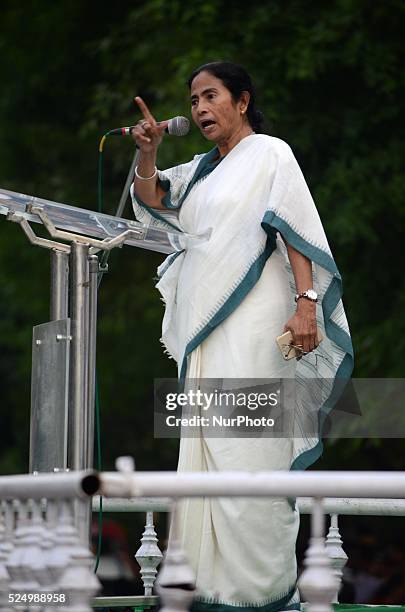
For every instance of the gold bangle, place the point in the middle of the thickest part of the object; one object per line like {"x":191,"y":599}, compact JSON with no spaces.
{"x":145,"y":178}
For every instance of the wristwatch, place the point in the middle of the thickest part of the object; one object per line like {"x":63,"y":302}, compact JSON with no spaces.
{"x":309,"y":294}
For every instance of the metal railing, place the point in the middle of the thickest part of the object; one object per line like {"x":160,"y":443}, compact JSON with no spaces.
{"x":48,"y":566}
{"x":149,"y":555}
{"x":44,"y":564}
{"x":317,"y":493}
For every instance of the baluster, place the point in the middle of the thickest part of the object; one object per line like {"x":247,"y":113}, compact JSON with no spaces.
{"x":317,"y":583}
{"x":22,"y":580}
{"x":175,"y":584}
{"x":70,"y":563}
{"x":32,"y":562}
{"x":78,"y":583}
{"x":4,"y":552}
{"x":148,"y":555}
{"x":64,"y":537}
{"x":336,"y":552}
{"x":48,"y":545}
{"x":8,"y":542}
{"x":66,"y":541}
{"x":30,"y":557}
{"x":9,"y":524}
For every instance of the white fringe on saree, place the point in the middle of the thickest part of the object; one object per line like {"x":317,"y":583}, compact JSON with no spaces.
{"x":227,"y":298}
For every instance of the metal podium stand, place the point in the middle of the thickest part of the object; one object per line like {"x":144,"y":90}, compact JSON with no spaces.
{"x":64,"y":349}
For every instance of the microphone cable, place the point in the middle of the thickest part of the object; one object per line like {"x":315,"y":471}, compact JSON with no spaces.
{"x":100,"y":197}
{"x":103,"y":267}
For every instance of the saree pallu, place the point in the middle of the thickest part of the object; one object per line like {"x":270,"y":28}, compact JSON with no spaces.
{"x":227,"y":298}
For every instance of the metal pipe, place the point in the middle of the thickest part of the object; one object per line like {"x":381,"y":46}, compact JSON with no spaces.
{"x":356,"y":507}
{"x":278,"y":483}
{"x":163,"y":504}
{"x":59,"y":285}
{"x":137,"y":602}
{"x":317,"y":518}
{"x":331,"y":505}
{"x":54,"y":486}
{"x":32,"y":237}
{"x":78,"y":384}
{"x":106,"y":244}
{"x":93,"y":275}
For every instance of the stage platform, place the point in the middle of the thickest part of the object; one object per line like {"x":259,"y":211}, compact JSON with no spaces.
{"x":133,"y":604}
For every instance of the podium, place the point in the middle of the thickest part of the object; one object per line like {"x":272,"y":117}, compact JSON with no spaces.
{"x":64,"y":348}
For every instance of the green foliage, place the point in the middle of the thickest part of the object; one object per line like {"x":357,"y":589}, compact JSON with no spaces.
{"x":329,"y":82}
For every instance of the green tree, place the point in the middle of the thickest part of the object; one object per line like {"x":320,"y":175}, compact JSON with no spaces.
{"x":329,"y":82}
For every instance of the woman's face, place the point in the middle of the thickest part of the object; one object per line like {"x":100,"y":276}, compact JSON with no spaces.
{"x":213,"y":108}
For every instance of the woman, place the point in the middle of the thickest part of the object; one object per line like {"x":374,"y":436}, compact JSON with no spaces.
{"x":265,"y":269}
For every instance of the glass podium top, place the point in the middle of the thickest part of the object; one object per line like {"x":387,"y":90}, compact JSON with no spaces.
{"x":95,"y":224}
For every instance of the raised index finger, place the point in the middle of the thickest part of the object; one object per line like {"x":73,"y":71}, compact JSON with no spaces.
{"x":145,"y":110}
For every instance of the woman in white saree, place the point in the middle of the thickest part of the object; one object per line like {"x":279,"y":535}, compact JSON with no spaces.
{"x":227,"y":299}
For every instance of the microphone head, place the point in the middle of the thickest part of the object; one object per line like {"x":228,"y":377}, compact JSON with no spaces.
{"x":178,"y":126}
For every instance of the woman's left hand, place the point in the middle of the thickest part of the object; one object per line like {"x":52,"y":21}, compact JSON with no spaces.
{"x":303,"y":325}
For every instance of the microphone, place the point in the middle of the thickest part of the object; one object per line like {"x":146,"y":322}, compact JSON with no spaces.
{"x":178,"y":126}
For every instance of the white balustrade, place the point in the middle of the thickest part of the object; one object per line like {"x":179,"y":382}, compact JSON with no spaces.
{"x":78,"y":583}
{"x":31,"y":562}
{"x":20,"y":581}
{"x":41,"y":551}
{"x":4,"y":552}
{"x":318,"y":583}
{"x":324,"y":561}
{"x":176,"y":581}
{"x":148,"y":555}
{"x":42,"y":559}
{"x":338,"y":557}
{"x":50,"y":510}
{"x":64,"y":541}
{"x":333,"y":542}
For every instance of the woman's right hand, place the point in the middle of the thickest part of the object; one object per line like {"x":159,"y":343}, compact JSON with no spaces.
{"x":148,"y":133}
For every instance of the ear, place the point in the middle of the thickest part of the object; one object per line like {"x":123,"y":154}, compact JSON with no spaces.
{"x":244,"y":101}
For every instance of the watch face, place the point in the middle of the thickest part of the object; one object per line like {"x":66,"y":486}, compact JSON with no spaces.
{"x":312,"y":294}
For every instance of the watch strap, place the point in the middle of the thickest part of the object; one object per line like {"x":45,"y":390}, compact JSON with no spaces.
{"x":307,"y":295}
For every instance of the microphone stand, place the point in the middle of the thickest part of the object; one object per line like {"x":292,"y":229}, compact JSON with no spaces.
{"x":127,"y":185}
{"x":120,"y":208}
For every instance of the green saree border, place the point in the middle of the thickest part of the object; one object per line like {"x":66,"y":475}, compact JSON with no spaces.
{"x":272,"y":224}
{"x":338,"y":335}
{"x":170,"y":259}
{"x":204,"y":605}
{"x":205,"y":166}
{"x":153,"y":213}
{"x":270,"y":219}
{"x":246,"y":284}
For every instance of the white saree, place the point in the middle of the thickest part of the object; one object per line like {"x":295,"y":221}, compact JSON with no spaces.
{"x":227,"y":298}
